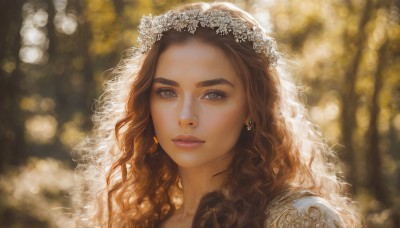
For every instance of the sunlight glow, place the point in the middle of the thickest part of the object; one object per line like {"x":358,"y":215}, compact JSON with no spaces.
{"x":32,"y":55}
{"x":66,"y":23}
{"x":39,"y":190}
{"x":72,"y":132}
{"x":9,"y":66}
{"x":34,"y":35}
{"x":41,"y":129}
{"x":40,"y":18}
{"x":396,"y":122}
{"x":60,"y":5}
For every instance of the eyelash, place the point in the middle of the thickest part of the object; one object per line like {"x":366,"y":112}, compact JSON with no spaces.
{"x":161,"y":93}
{"x":219,"y":95}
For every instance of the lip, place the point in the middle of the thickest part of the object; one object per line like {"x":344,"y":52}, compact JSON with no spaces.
{"x":187,"y":141}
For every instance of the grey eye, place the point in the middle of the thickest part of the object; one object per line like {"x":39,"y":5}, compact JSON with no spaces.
{"x":215,"y":95}
{"x":166,"y":93}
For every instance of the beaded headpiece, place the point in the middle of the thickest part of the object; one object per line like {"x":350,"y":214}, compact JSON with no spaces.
{"x":151,"y":29}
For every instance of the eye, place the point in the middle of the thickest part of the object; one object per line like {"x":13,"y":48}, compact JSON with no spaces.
{"x":215,"y":95}
{"x":166,"y":93}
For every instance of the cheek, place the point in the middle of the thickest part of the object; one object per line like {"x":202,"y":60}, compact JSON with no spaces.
{"x":161,"y":117}
{"x":226,"y":123}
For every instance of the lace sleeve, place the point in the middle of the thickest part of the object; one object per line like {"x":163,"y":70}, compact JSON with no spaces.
{"x":309,"y":211}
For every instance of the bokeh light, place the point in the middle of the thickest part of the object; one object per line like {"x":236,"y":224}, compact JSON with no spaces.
{"x":41,"y":129}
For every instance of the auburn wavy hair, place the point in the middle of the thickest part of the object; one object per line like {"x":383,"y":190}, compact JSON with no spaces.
{"x":129,"y":181}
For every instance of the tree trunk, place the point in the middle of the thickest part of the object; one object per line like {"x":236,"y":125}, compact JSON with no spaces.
{"x":84,"y":30}
{"x":374,"y":154}
{"x":349,"y":98}
{"x":12,"y":146}
{"x":374,"y":161}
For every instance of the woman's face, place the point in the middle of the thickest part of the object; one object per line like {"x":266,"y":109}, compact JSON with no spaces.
{"x":197,"y":104}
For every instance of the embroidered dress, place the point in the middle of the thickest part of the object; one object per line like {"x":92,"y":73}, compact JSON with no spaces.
{"x":302,"y":209}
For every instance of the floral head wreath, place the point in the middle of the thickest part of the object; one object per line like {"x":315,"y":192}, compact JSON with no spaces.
{"x":151,"y":29}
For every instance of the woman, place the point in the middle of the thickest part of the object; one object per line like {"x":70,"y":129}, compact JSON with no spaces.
{"x":201,"y":127}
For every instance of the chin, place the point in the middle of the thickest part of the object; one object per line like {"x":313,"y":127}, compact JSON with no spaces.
{"x":188,"y":162}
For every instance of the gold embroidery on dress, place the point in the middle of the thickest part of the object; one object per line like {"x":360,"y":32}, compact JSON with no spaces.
{"x":282,"y":213}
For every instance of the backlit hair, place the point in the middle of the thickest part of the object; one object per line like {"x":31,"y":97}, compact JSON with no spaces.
{"x":129,"y":181}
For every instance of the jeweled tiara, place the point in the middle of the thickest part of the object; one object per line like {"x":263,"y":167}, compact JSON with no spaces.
{"x":151,"y":29}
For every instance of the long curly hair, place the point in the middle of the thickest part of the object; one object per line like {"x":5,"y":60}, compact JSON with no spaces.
{"x":129,"y":181}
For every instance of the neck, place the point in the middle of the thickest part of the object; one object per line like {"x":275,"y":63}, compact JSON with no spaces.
{"x":198,"y":181}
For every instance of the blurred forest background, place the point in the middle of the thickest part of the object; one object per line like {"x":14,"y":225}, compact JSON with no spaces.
{"x":54,"y":55}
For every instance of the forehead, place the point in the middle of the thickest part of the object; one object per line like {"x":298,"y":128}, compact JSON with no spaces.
{"x":195,"y":60}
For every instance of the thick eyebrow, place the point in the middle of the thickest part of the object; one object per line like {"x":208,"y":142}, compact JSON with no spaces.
{"x":212,"y":82}
{"x":166,"y":82}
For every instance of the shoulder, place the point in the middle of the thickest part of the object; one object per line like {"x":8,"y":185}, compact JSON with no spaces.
{"x":302,"y":210}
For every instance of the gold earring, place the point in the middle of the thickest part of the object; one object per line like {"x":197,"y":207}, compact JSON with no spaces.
{"x":249,"y":125}
{"x":155,"y":139}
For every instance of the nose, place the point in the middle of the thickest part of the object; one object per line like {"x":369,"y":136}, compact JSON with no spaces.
{"x":187,"y":113}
